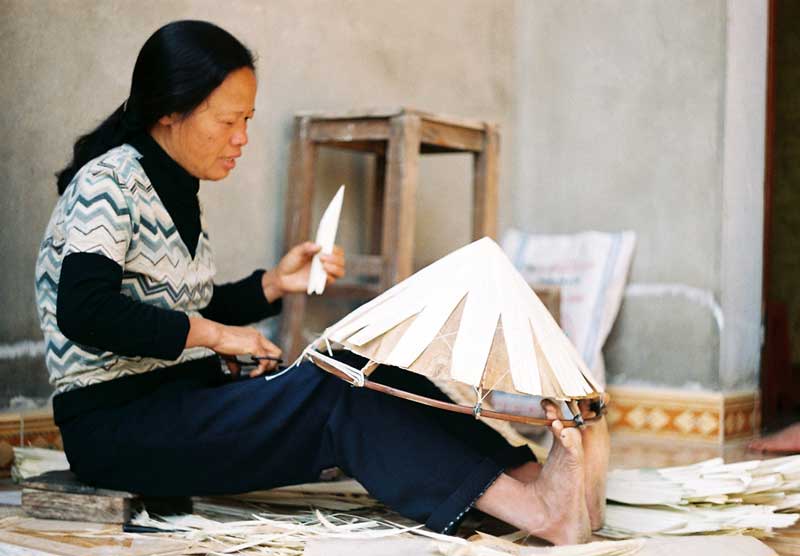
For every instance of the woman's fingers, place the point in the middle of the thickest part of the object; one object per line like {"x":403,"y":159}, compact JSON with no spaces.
{"x":246,"y":340}
{"x":334,"y":264}
{"x":309,"y":249}
{"x":297,"y":257}
{"x":233,"y":367}
{"x":331,"y":265}
{"x":270,"y":348}
{"x":266,"y":348}
{"x":264,"y":366}
{"x":336,"y":256}
{"x":333,"y":272}
{"x":586,"y":409}
{"x":551,"y":409}
{"x":304,"y":251}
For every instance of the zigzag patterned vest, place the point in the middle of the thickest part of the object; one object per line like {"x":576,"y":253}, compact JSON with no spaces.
{"x":112,"y":209}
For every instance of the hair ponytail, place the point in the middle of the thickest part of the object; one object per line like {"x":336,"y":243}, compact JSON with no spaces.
{"x":107,"y":135}
{"x":177,"y":68}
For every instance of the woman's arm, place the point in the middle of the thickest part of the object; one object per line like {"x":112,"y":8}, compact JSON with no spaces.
{"x":260,"y":295}
{"x":242,"y":302}
{"x":91,"y":311}
{"x":232,"y":340}
{"x":291,"y":274}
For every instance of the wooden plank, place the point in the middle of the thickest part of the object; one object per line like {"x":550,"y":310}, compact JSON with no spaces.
{"x":353,"y":290}
{"x":402,"y":169}
{"x":484,"y":207}
{"x":452,"y":138}
{"x":12,"y":550}
{"x":300,"y":194}
{"x":345,"y":131}
{"x":66,"y":481}
{"x":375,"y":147}
{"x":451,"y":120}
{"x":370,"y":266}
{"x":550,"y":296}
{"x":428,"y":149}
{"x":298,"y":227}
{"x":375,"y":216}
{"x":76,"y":507}
{"x":392,"y":112}
{"x":375,"y":112}
{"x":35,"y":543}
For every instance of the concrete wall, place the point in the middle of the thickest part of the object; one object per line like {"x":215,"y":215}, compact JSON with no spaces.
{"x":743,"y":194}
{"x":647,"y":116}
{"x":615,"y":115}
{"x":65,"y":65}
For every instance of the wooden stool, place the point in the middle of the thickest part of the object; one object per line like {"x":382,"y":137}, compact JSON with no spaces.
{"x":60,"y":495}
{"x":397,"y":137}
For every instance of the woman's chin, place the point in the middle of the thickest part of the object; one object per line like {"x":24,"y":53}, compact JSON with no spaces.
{"x":217,"y":174}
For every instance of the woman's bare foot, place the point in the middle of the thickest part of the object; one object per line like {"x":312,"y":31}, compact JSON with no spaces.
{"x":561,"y":486}
{"x":552,"y":506}
{"x":527,"y":472}
{"x":786,"y":440}
{"x":596,"y":448}
{"x":595,"y":441}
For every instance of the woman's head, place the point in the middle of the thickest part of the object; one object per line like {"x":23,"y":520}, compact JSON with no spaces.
{"x":177,"y":74}
{"x":207,"y":140}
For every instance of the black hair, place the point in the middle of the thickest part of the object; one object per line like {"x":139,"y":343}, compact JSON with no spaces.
{"x":177,"y":68}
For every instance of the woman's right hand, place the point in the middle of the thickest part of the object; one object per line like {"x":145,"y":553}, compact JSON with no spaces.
{"x":232,"y":341}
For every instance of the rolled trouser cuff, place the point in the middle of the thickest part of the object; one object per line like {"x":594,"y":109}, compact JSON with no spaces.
{"x":512,"y":456}
{"x":448,"y":516}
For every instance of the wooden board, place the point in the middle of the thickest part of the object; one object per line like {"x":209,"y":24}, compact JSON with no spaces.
{"x":77,"y":507}
{"x":397,"y":136}
{"x":390,"y":112}
{"x":66,"y":481}
{"x":60,"y":495}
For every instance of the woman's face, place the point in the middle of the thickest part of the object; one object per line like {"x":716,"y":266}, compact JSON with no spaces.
{"x":207,"y":142}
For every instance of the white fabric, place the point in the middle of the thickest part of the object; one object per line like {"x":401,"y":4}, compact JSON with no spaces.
{"x":591,"y":268}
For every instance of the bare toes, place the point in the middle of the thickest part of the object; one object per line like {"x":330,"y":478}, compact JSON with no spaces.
{"x":551,"y":409}
{"x":571,"y":439}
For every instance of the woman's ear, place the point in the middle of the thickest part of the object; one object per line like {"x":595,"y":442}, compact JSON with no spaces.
{"x":168,"y":119}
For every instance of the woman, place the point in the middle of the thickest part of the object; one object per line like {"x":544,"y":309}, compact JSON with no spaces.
{"x":135,"y":328}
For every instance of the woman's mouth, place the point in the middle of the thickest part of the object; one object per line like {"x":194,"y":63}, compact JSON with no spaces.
{"x":229,"y":163}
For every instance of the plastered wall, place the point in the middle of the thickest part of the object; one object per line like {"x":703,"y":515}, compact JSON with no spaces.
{"x":649,"y":116}
{"x":613,"y":116}
{"x":65,"y":65}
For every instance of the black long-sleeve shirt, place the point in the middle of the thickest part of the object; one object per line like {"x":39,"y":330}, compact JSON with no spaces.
{"x":92,"y":310}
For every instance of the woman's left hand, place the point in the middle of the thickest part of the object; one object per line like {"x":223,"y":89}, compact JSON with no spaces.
{"x":291,"y":274}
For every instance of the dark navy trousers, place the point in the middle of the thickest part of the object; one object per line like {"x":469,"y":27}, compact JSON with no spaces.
{"x":202,"y":434}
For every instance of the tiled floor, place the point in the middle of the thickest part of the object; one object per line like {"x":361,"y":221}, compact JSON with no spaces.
{"x":628,"y":451}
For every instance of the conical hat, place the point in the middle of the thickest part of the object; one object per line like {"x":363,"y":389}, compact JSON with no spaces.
{"x":472,"y":318}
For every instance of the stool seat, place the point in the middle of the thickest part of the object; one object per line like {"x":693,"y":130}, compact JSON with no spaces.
{"x":396,"y":137}
{"x":60,"y":495}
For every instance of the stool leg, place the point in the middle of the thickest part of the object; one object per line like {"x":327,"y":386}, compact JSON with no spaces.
{"x":298,"y":228}
{"x":402,"y":170}
{"x":485,"y":170}
{"x":376,"y":206}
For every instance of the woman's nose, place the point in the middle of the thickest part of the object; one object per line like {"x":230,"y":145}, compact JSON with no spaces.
{"x":239,"y":138}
